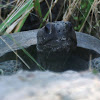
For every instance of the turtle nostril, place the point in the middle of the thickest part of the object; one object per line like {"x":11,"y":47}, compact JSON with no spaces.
{"x":70,"y":26}
{"x":63,"y":39}
{"x":47,"y":28}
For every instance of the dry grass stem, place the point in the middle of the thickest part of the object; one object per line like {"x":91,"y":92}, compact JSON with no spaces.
{"x":70,"y":10}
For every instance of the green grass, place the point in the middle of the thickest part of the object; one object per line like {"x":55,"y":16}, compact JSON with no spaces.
{"x":84,"y":9}
{"x":85,"y":15}
{"x":18,"y":13}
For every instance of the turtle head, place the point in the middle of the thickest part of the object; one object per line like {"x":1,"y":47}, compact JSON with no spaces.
{"x":56,"y":37}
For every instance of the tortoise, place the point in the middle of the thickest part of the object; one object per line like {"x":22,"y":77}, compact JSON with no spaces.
{"x":60,"y":48}
{"x":57,"y":48}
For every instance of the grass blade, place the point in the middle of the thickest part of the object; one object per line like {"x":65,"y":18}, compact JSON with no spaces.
{"x":28,"y":5}
{"x":37,"y":8}
{"x":26,"y":52}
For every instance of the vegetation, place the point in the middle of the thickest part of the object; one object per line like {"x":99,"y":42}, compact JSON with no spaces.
{"x":84,"y":14}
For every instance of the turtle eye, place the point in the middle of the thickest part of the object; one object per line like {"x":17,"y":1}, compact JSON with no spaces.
{"x":47,"y":28}
{"x":69,"y":26}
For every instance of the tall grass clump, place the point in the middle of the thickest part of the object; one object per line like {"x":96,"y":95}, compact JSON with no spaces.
{"x":85,"y":15}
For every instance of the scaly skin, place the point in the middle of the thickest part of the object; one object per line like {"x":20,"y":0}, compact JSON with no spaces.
{"x":55,"y":42}
{"x":56,"y":37}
